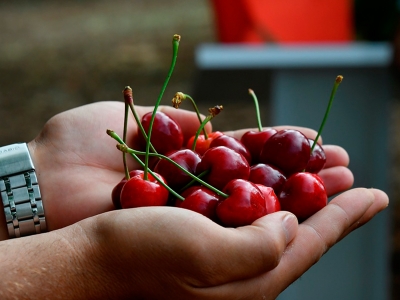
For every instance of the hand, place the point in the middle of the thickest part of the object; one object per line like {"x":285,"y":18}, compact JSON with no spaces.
{"x":78,"y":164}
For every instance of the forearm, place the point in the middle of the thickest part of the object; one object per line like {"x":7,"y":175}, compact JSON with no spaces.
{"x":58,"y":264}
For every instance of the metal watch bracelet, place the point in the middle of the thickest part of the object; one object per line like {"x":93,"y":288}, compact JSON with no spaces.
{"x":20,"y":194}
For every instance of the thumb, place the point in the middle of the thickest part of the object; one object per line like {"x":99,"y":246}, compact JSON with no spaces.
{"x":251,"y":250}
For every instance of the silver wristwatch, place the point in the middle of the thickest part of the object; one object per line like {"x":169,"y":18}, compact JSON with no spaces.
{"x":20,"y":192}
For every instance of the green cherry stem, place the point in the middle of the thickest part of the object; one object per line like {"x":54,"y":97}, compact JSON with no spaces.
{"x":175,"y":45}
{"x":176,"y":102}
{"x":128,"y":97}
{"x":338,"y":80}
{"x":253,"y":95}
{"x":213,"y":112}
{"x":127,"y":176}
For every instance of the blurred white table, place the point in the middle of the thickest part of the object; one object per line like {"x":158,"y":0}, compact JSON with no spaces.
{"x":300,"y":85}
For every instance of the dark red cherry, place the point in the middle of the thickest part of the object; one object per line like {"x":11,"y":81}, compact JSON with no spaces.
{"x":116,"y":192}
{"x":244,"y":205}
{"x":166,"y":134}
{"x":175,"y":177}
{"x":255,"y":140}
{"x":201,"y":200}
{"x":288,"y":150}
{"x":223,"y":165}
{"x":267,"y":175}
{"x":232,"y":143}
{"x":138,"y":192}
{"x":303,"y":194}
{"x":317,"y":158}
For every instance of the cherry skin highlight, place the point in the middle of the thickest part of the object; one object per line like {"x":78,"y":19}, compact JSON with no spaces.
{"x":267,"y":175}
{"x":317,"y":158}
{"x":232,"y":143}
{"x":271,"y":199}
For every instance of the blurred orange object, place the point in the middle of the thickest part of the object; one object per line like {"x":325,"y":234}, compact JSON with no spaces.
{"x":283,"y":21}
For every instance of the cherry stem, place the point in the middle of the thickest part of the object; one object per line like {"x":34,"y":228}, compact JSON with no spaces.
{"x":253,"y":95}
{"x":175,"y":45}
{"x":213,"y":112}
{"x":201,"y":175}
{"x":124,"y":146}
{"x":129,"y":99}
{"x":338,"y":80}
{"x":177,"y":100}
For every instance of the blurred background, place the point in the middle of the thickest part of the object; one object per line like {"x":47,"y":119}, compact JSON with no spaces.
{"x":58,"y":55}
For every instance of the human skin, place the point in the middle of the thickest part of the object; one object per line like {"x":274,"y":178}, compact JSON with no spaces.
{"x":94,"y":252}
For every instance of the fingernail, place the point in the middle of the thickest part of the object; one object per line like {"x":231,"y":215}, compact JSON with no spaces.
{"x":290,"y":225}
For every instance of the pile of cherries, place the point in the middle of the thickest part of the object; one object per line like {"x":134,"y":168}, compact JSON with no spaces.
{"x":233,"y":182}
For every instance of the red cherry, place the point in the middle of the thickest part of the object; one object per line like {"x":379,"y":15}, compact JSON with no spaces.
{"x":232,"y":143}
{"x":267,"y":175}
{"x":317,"y":159}
{"x":288,"y":150}
{"x":138,"y":192}
{"x":303,"y":194}
{"x":116,"y":192}
{"x":166,"y":134}
{"x":271,"y":200}
{"x":203,"y":144}
{"x":199,"y":199}
{"x":223,"y":164}
{"x":255,"y":140}
{"x":175,"y":177}
{"x":244,"y":205}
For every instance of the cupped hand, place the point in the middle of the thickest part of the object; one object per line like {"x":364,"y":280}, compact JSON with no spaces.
{"x":171,"y":253}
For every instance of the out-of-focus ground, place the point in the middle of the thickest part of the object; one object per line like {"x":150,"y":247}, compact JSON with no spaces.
{"x":58,"y":55}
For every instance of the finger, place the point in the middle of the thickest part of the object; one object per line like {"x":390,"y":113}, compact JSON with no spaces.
{"x":336,"y":179}
{"x":310,"y":133}
{"x":335,"y":156}
{"x":248,"y":251}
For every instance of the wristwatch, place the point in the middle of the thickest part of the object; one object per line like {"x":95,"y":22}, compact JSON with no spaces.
{"x":20,"y":194}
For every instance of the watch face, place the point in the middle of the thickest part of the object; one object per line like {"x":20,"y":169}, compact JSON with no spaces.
{"x":15,"y":159}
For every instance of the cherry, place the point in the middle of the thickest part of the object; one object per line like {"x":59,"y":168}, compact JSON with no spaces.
{"x":201,"y":200}
{"x":255,"y":140}
{"x":267,"y":175}
{"x":138,"y":192}
{"x":166,"y":134}
{"x":202,"y":144}
{"x":271,"y":199}
{"x":116,"y":192}
{"x":175,"y":177}
{"x":244,"y":205}
{"x":317,"y":159}
{"x":303,"y":194}
{"x":288,"y":150}
{"x":232,"y":143}
{"x":223,"y":164}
